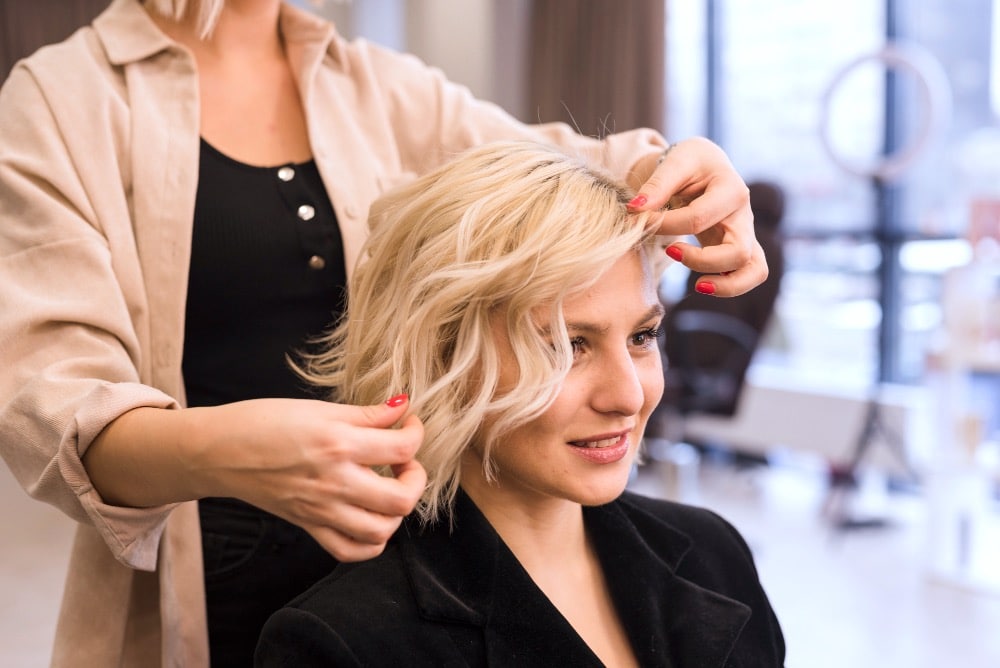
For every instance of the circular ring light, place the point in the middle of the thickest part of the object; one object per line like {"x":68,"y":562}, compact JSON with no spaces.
{"x":935,"y":99}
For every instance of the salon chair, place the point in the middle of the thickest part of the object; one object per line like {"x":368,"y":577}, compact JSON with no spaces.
{"x":707,"y":356}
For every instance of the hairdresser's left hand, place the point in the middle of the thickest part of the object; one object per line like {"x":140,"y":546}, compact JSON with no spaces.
{"x":707,"y":199}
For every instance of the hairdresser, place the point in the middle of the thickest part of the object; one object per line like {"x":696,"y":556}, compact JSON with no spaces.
{"x":184,"y":186}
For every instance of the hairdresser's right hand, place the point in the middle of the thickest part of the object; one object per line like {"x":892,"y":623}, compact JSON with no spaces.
{"x":308,"y":462}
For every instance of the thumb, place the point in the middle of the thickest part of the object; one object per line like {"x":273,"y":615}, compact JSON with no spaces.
{"x":388,"y":412}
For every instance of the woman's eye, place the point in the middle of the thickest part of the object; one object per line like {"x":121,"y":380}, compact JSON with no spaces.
{"x":577,"y":345}
{"x":646,"y":337}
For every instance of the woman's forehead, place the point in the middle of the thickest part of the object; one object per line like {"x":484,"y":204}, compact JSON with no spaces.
{"x":629,"y":281}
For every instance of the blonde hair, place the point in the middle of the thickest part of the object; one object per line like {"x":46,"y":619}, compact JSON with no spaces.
{"x":205,"y":12}
{"x":499,"y":235}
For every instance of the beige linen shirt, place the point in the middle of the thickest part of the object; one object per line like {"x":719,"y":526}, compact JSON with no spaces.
{"x":99,"y":143}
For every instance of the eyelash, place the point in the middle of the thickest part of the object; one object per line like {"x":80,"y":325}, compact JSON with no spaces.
{"x":651,"y":335}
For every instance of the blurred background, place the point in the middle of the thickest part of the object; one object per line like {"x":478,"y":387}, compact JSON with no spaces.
{"x":858,"y":445}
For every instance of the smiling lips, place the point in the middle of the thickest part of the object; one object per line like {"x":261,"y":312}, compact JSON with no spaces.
{"x":603,"y":443}
{"x":603,"y":451}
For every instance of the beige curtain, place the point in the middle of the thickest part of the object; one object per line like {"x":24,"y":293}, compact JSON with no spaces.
{"x":598,"y":64}
{"x":26,"y":25}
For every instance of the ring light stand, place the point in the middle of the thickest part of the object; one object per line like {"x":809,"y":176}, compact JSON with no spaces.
{"x":935,"y":99}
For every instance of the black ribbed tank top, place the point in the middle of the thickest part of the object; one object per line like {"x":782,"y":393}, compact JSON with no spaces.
{"x":267,"y":273}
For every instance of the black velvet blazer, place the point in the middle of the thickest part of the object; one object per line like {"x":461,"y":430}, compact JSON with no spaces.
{"x":682,"y":580}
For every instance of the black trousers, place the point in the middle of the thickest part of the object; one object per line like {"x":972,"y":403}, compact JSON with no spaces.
{"x":254,"y":564}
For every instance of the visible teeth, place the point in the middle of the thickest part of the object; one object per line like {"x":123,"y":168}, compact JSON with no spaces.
{"x":605,"y":443}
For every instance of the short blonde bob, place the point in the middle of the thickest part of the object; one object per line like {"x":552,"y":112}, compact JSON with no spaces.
{"x":500,"y":235}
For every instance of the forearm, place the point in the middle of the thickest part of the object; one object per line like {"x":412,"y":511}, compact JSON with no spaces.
{"x":144,"y":458}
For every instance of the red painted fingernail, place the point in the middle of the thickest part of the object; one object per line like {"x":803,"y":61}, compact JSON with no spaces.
{"x":705,"y":288}
{"x":397,"y":400}
{"x":637,"y":201}
{"x":675,"y":253}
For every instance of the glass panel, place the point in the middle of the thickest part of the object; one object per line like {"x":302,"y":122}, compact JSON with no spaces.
{"x":777,"y":62}
{"x":801,"y":101}
{"x":827,"y":318}
{"x":961,"y":161}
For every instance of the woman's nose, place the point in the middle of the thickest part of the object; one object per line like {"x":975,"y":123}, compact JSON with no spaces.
{"x":617,"y":385}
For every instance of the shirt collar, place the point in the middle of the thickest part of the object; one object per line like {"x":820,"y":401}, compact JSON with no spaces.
{"x":129,"y":34}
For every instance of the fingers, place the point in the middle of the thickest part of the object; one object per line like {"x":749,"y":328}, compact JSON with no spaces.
{"x":692,"y":169}
{"x":345,"y":547}
{"x":381,"y":415}
{"x":312,"y":463}
{"x":356,"y":531}
{"x":354,"y":514}
{"x":345,"y":454}
{"x":726,"y":201}
{"x":370,"y":506}
{"x":412,"y":476}
{"x":365,"y":434}
{"x":727,"y":253}
{"x":377,"y":447}
{"x":695,"y":191}
{"x":711,"y":262}
{"x":361,"y":486}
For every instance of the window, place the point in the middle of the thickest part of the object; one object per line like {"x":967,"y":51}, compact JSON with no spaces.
{"x":754,"y":77}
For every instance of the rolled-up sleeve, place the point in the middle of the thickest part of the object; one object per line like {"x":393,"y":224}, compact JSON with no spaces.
{"x":68,"y":345}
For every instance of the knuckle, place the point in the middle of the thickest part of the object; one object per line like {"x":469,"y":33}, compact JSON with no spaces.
{"x":744,"y":255}
{"x":401,"y":502}
{"x":407,"y":448}
{"x":378,"y":532}
{"x":332,"y":440}
{"x":405,"y":444}
{"x":743,"y":196}
{"x":699,"y":222}
{"x":370,"y":414}
{"x":349,"y":552}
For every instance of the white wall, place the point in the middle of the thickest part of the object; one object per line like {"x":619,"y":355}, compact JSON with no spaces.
{"x":455,"y":36}
{"x":479,"y":43}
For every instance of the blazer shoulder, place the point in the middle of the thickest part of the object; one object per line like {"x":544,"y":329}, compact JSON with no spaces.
{"x":711,"y":535}
{"x":684,"y":517}
{"x":363,"y":588}
{"x":365,"y":614}
{"x":718,"y":559}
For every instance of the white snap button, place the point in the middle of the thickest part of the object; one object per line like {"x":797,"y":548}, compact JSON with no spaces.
{"x":306,"y":212}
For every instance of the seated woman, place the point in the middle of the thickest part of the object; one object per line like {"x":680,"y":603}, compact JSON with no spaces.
{"x":510,"y":296}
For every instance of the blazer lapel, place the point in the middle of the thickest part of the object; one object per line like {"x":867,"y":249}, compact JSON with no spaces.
{"x":670,"y":620}
{"x":525,"y":628}
{"x":470,"y":577}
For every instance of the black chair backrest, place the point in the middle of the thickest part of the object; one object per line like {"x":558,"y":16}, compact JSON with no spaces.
{"x":707,"y":356}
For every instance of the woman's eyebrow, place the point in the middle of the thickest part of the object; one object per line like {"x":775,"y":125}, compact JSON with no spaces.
{"x":655,"y":312}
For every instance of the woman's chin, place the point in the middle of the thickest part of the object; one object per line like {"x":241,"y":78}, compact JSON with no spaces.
{"x":603,"y":492}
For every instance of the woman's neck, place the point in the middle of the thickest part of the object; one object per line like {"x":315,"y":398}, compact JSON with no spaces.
{"x":540,"y":536}
{"x":543,"y":532}
{"x":251,"y":108}
{"x":244,"y":29}
{"x":550,"y":541}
